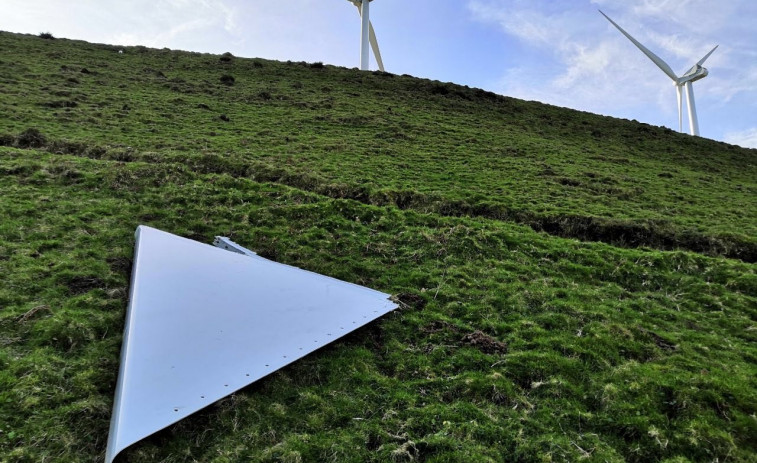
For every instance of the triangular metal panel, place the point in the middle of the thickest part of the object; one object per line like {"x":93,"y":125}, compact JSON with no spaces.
{"x":203,"y":322}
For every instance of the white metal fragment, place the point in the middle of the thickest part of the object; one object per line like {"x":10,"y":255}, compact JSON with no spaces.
{"x":203,"y":322}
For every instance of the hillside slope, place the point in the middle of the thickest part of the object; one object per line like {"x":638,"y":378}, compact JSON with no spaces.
{"x":511,"y":343}
{"x":388,"y":139}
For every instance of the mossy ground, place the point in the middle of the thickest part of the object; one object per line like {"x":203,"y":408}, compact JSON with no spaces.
{"x":510,"y":344}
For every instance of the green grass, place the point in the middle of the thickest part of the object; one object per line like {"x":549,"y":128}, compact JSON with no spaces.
{"x":510,"y":344}
{"x":392,"y":139}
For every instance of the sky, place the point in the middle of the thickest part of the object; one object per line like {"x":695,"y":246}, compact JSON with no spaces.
{"x":561,"y":52}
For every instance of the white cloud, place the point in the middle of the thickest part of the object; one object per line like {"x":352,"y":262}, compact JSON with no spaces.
{"x":741,"y":85}
{"x":584,"y":73}
{"x":746,"y":138}
{"x":156,"y":23}
{"x":586,"y":62}
{"x":523,"y":20}
{"x":311,"y":30}
{"x":528,"y":25}
{"x":176,"y":23}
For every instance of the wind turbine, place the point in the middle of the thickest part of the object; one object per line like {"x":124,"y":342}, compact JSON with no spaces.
{"x":695,"y":73}
{"x":367,"y":36}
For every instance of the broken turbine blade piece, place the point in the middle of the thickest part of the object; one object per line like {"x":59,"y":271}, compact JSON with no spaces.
{"x":203,"y":322}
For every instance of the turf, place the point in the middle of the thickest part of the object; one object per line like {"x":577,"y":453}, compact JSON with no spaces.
{"x":572,"y":286}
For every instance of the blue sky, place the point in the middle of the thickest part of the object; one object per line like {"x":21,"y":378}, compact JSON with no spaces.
{"x":558,"y":52}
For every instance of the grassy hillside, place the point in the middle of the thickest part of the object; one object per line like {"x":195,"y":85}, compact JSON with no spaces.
{"x":388,"y":139}
{"x":572,"y":286}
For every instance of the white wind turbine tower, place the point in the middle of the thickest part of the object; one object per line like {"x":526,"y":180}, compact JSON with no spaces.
{"x":686,"y":80}
{"x":368,"y":36}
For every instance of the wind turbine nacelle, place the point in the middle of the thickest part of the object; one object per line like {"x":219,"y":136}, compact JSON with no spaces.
{"x":692,"y":75}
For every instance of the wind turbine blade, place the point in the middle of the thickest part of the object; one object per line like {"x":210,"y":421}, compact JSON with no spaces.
{"x":680,"y":108}
{"x":701,"y":61}
{"x":376,"y":52}
{"x":655,"y":59}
